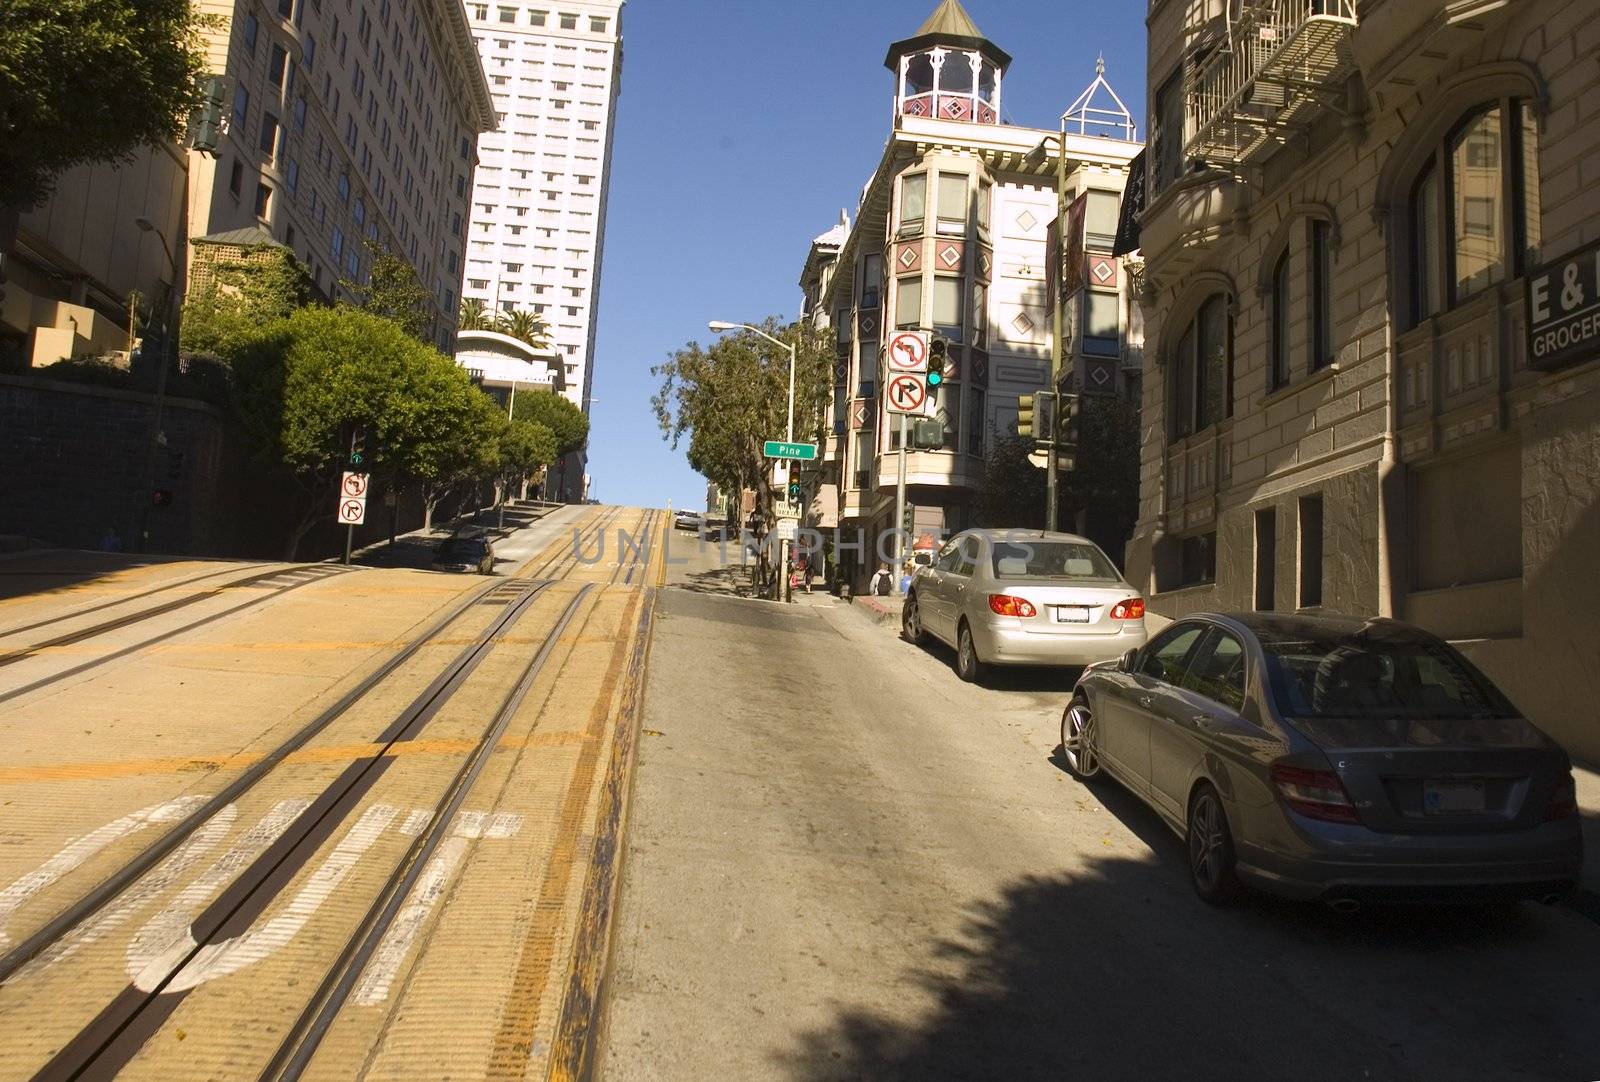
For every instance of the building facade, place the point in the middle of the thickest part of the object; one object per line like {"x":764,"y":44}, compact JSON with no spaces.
{"x":539,"y":205}
{"x":952,"y":236}
{"x":345,"y":124}
{"x":1353,"y":209}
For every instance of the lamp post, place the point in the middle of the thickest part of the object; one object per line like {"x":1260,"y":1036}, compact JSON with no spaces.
{"x":719,"y":326}
{"x":169,"y":327}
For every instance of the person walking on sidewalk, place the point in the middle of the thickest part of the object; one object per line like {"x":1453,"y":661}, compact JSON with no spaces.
{"x":882,"y":584}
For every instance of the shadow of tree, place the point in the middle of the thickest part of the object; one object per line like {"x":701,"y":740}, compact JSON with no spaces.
{"x":1111,"y":974}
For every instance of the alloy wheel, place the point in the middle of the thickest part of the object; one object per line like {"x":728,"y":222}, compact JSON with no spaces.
{"x":968,"y":667}
{"x":911,"y":621}
{"x":1211,"y":850}
{"x":1077,"y":740}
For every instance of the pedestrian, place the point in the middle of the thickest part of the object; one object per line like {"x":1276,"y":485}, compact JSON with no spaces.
{"x":882,"y":583}
{"x":111,"y":542}
{"x":905,"y":577}
{"x":810,"y":572}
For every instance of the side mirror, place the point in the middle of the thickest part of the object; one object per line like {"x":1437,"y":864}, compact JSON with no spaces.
{"x":1129,"y":661}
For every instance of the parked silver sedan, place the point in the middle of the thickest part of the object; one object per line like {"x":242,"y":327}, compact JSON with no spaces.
{"x":1018,"y":597}
{"x":1331,"y":758}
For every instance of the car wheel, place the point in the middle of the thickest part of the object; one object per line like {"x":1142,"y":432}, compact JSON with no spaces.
{"x":1078,"y":740}
{"x":911,"y":628}
{"x":968,"y":666}
{"x":1211,"y":856}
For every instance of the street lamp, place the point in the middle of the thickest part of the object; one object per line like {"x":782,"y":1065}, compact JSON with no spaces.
{"x":719,"y":326}
{"x":170,"y":336}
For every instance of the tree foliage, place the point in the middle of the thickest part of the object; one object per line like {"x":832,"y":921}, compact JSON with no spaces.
{"x":91,"y":80}
{"x":239,"y":297}
{"x":568,"y":423}
{"x":526,"y":446}
{"x":526,"y":327}
{"x":393,"y":291}
{"x":1012,"y":494}
{"x":305,"y":381}
{"x":473,"y":316}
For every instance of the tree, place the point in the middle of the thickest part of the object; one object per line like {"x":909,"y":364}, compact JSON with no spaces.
{"x":239,"y":296}
{"x":731,"y":398}
{"x":1104,"y":486}
{"x":567,"y":422}
{"x":525,"y":448}
{"x":472,"y":316}
{"x":304,"y":382}
{"x":91,"y":80}
{"x":1013,"y":489}
{"x":393,"y":291}
{"x":527,"y":327}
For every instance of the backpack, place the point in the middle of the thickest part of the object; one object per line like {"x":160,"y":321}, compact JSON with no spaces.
{"x":881,"y":584}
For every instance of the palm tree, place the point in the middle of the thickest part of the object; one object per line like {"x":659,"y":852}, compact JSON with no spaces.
{"x":473,"y":316}
{"x":528,"y":327}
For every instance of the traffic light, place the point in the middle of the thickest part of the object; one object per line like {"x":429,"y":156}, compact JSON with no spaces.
{"x":1067,"y":430}
{"x":938,"y":361}
{"x":358,"y":447}
{"x":927,"y":434}
{"x":1025,"y":416}
{"x":794,"y":490}
{"x":161,"y":497}
{"x":205,"y":126}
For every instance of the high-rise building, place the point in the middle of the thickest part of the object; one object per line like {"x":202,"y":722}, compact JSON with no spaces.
{"x":539,"y":204}
{"x":343,"y":124}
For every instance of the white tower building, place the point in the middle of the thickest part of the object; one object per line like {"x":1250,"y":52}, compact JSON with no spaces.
{"x":539,"y":202}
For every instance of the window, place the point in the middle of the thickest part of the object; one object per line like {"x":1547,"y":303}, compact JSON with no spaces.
{"x":292,"y":175}
{"x":947,"y":306}
{"x":1476,"y":186}
{"x":980,"y":315}
{"x":235,"y":178}
{"x":344,"y":187}
{"x":1102,"y":323}
{"x":568,"y":21}
{"x":1100,"y":219}
{"x":597,"y":25}
{"x":278,"y":66}
{"x":1321,"y":257}
{"x":1218,"y":671}
{"x":300,"y":114}
{"x":1310,"y":551}
{"x":241,"y":107}
{"x":1278,"y":374}
{"x":871,"y":279}
{"x":1198,"y":560}
{"x":251,"y":27}
{"x":263,"y":200}
{"x":1427,"y":274}
{"x":1266,"y":559}
{"x":537,"y":18}
{"x":985,"y":196}
{"x":913,"y":199}
{"x":908,"y":302}
{"x":269,"y":135}
{"x":1167,"y":656}
{"x":1203,"y":369}
{"x":507,"y":15}
{"x":336,"y":246}
{"x":1167,"y":138}
{"x":953,"y":199}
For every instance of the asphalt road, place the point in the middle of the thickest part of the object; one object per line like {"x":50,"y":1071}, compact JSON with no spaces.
{"x":845,"y":864}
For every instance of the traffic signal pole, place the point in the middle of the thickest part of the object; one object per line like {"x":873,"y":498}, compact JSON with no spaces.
{"x":900,"y":506}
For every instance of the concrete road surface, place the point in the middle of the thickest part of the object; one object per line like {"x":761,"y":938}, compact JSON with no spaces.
{"x":845,"y":864}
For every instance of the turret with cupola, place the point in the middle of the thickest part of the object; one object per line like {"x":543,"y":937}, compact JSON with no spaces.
{"x":948,"y":70}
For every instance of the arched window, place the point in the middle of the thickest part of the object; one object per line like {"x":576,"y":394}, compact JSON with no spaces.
{"x":919,"y":74}
{"x":1202,"y":369}
{"x":1473,"y":211}
{"x":955,"y":75}
{"x":1278,"y":374}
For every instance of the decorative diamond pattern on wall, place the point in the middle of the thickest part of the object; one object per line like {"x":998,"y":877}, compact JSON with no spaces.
{"x":908,"y":258}
{"x":950,"y":256}
{"x":1023,"y":323}
{"x":869,"y":326}
{"x":985,"y":264}
{"x":858,"y":415}
{"x":985,"y":114}
{"x":1099,"y":375}
{"x":1103,"y":270}
{"x":955,"y":108}
{"x":916,"y":107}
{"x":1027,"y":221}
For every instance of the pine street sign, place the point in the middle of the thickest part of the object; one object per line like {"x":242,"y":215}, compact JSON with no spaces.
{"x":804,"y":452}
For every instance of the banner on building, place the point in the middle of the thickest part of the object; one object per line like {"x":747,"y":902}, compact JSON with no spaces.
{"x":1132,"y":207}
{"x":1072,"y":257}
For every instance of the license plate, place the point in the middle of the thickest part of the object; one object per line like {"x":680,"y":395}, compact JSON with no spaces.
{"x":1072,"y":614}
{"x":1452,"y":797}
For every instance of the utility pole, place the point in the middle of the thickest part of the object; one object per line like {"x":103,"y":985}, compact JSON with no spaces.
{"x":900,"y":506}
{"x":1058,"y":349}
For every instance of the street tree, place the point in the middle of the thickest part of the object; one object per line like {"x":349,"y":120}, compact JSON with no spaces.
{"x":238,"y":296}
{"x":1012,"y":495}
{"x":525,"y":448}
{"x":305,"y":382}
{"x":567,"y":422}
{"x":393,"y":291}
{"x":472,"y":316}
{"x":730,"y":398}
{"x":91,"y":80}
{"x":526,"y":327}
{"x":1102,"y":492}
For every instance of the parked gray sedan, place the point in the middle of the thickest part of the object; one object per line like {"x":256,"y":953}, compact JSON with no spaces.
{"x":1018,"y":597}
{"x":1331,"y":758}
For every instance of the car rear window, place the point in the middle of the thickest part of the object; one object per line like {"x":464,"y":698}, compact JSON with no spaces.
{"x":1051,"y":560}
{"x":462,"y":550}
{"x":1376,"y":675}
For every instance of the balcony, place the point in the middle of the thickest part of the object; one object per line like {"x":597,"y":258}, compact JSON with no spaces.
{"x":1266,"y":75}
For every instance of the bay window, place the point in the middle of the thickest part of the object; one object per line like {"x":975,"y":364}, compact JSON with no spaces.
{"x":1202,"y":369}
{"x":908,"y":303}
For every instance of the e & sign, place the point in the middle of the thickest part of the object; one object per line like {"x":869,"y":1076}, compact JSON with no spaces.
{"x":1563,"y":310}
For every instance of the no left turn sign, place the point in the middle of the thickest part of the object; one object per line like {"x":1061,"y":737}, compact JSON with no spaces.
{"x":908,"y":352}
{"x":354,"y":485}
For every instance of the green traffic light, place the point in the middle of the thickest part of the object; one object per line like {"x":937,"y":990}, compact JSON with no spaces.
{"x":934,"y":379}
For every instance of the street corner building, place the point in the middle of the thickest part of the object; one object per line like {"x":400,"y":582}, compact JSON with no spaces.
{"x":1371,"y":385}
{"x":995,"y":237}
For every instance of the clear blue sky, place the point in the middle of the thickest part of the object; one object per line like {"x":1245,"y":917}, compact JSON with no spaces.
{"x":742,"y":130}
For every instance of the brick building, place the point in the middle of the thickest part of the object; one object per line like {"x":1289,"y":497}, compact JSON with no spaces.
{"x":1347,"y":202}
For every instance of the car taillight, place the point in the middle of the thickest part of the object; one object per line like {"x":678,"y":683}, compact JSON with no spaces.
{"x":1131,"y":609}
{"x":1006,"y":605}
{"x":1315,"y":794}
{"x":1564,"y":801}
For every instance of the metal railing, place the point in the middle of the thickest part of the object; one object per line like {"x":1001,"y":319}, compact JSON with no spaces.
{"x":1290,"y":45}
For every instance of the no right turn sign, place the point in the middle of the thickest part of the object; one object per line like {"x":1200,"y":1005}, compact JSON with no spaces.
{"x":352,"y":512}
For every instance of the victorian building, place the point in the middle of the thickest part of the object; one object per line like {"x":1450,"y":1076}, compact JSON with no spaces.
{"x":1373,"y":382}
{"x":343,"y":125}
{"x":951,"y":236}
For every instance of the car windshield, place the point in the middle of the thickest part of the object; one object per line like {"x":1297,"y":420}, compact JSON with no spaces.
{"x":1051,"y":560}
{"x":1378,"y":674}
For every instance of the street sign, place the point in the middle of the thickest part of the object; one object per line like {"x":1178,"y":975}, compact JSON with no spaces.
{"x":805,"y":452}
{"x":908,"y":352}
{"x":1560,"y":303}
{"x":354,"y":485}
{"x":906,"y":393}
{"x":352,"y":512}
{"x":787,"y":529}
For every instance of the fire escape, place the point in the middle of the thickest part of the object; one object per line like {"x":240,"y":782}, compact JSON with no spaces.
{"x":1273,"y":67}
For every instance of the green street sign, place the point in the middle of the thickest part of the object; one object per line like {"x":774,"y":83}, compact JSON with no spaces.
{"x":805,"y":452}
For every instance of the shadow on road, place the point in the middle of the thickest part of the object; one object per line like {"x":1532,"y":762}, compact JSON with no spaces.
{"x":42,"y":572}
{"x":416,"y":550}
{"x":1110,"y":974}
